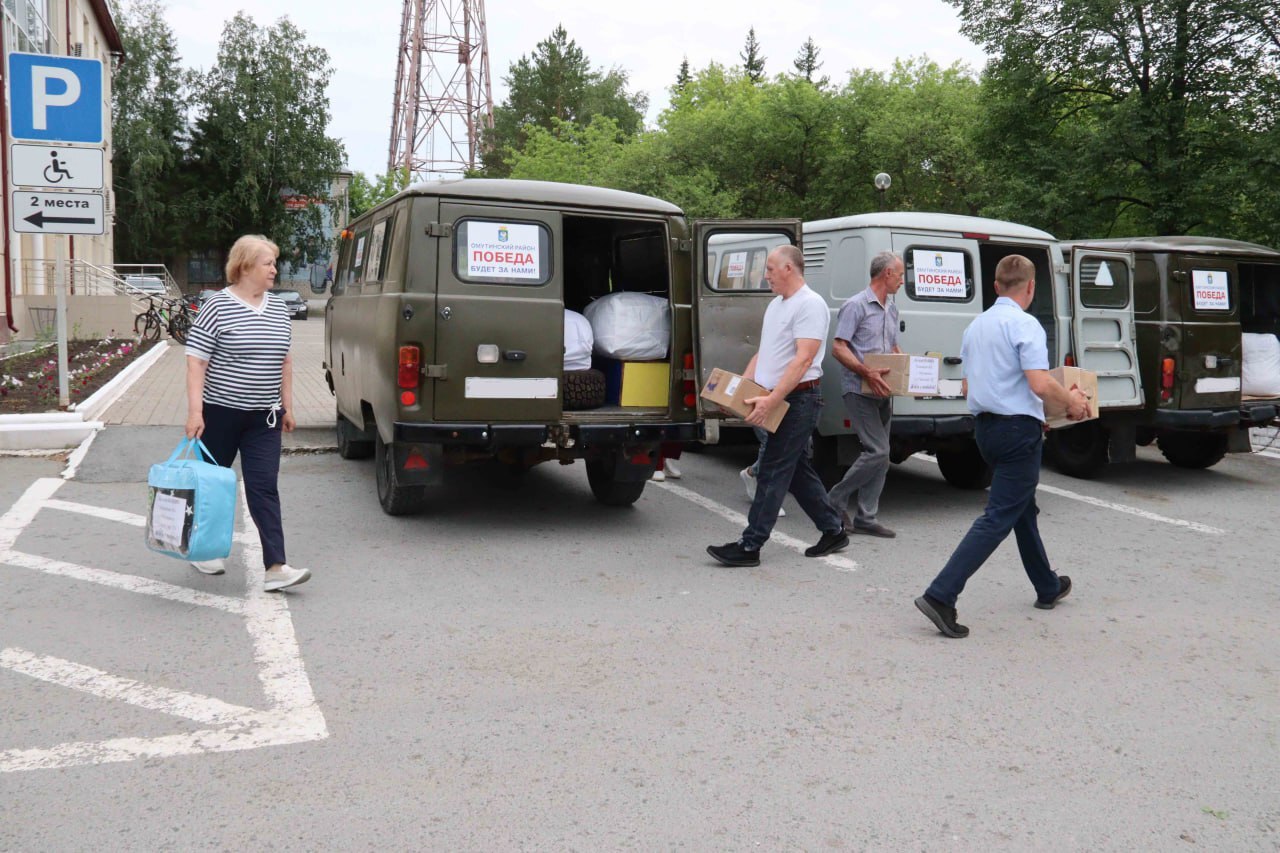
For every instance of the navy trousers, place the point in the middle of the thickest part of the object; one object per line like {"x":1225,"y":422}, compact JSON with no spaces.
{"x":785,"y":465}
{"x":256,"y":436}
{"x":1012,"y":446}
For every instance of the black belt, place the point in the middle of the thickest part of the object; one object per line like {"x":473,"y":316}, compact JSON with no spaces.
{"x":994,"y":416}
{"x":805,"y":386}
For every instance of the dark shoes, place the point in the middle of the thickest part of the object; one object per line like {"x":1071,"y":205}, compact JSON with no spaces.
{"x":1064,"y":589}
{"x":943,"y":616}
{"x":828,"y":544}
{"x":875,"y":528}
{"x":733,"y":554}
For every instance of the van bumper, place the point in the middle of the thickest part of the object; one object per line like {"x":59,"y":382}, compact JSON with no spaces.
{"x":947,"y":425}
{"x":536,"y":435}
{"x":1196,"y":419}
{"x":1258,"y":412}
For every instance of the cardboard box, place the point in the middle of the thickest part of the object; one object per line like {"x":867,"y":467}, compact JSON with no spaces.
{"x":645,"y":383}
{"x":730,"y":392}
{"x":909,"y":375}
{"x":1087,"y":380}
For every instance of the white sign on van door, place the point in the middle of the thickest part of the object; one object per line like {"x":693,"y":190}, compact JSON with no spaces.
{"x":1209,"y":290}
{"x":508,"y":251}
{"x":737,"y":264}
{"x":939,"y":275}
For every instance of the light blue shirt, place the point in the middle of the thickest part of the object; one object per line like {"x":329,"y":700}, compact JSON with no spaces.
{"x":998,"y":346}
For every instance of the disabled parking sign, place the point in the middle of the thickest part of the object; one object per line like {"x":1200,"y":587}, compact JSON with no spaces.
{"x":55,"y":98}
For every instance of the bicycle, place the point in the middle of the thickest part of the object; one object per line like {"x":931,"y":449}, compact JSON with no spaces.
{"x":172,"y":314}
{"x":148,"y":324}
{"x":180,"y":320}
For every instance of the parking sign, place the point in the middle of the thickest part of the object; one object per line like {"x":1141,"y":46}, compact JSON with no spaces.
{"x":55,"y":98}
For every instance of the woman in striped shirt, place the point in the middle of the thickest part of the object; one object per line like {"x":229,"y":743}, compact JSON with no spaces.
{"x":240,"y":392}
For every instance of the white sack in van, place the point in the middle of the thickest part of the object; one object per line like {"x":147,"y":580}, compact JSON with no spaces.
{"x":577,"y":341}
{"x":1260,"y":365}
{"x":631,"y":326}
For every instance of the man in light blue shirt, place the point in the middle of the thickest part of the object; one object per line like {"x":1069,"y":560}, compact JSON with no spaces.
{"x":1006,"y":363}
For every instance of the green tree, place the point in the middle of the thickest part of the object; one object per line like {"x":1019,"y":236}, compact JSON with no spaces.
{"x":682,"y":78}
{"x":1137,"y":116}
{"x":556,"y":86}
{"x":364,"y":194}
{"x":260,"y":134}
{"x":147,"y":129}
{"x":752,"y":59}
{"x":807,"y":64}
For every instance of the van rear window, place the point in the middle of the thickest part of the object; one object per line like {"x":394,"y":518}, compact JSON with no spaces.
{"x":487,"y":251}
{"x":938,"y":275}
{"x":1104,"y":283}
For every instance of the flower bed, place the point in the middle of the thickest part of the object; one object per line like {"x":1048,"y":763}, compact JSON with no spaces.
{"x":29,"y":382}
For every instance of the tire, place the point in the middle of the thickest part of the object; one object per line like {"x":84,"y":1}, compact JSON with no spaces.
{"x":964,"y":469}
{"x":395,"y":498}
{"x":602,"y":474}
{"x":583,"y":389}
{"x":151,"y":332}
{"x":351,"y":442}
{"x":825,"y":460}
{"x":1192,"y":449}
{"x":179,"y":326}
{"x":1079,"y":451}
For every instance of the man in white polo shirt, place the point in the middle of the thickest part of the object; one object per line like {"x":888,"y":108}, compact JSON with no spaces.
{"x":789,"y":363}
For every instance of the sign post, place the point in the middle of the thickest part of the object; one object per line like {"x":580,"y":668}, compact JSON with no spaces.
{"x":56,"y":101}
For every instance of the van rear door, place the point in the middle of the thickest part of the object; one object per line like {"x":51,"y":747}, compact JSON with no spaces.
{"x":499,"y":323}
{"x":1208,"y":370}
{"x":730,"y":291}
{"x":1102,"y":325}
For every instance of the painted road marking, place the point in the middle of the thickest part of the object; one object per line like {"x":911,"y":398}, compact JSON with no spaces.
{"x":842,"y":564}
{"x":292,"y":716}
{"x":1111,"y":505}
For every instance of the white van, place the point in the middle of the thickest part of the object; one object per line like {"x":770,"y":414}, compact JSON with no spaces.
{"x":950,"y":264}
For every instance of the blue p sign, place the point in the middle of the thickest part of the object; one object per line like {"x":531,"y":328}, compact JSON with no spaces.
{"x":55,"y":98}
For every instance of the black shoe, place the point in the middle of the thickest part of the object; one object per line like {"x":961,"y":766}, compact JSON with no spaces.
{"x":733,"y":554}
{"x":942,"y":616}
{"x":829,"y":543}
{"x":1064,"y":589}
{"x":875,"y":528}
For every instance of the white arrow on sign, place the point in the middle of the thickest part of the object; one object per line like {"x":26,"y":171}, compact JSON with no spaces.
{"x":58,"y":213}
{"x":57,"y":166}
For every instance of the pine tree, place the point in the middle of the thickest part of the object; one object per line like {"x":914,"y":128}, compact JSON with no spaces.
{"x":752,"y":59}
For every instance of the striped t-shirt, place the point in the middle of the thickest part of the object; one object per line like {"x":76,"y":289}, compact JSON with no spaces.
{"x":245,"y":348}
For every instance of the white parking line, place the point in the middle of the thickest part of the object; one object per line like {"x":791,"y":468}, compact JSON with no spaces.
{"x":292,"y":716}
{"x":1124,"y":508}
{"x":842,"y":564}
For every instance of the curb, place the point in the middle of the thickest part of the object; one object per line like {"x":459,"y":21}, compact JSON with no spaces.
{"x":65,"y":430}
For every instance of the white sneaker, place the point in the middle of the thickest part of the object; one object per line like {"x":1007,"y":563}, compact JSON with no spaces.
{"x":209,"y":567}
{"x":672,"y":471}
{"x":659,"y":476}
{"x":748,"y":480}
{"x":285,"y":576}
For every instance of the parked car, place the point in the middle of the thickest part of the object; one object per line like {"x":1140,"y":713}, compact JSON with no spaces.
{"x":294,"y":302}
{"x":145,"y":285}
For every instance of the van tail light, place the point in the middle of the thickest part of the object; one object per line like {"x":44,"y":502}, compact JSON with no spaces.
{"x":410,"y":367}
{"x":690,"y":386}
{"x":1166,"y":380}
{"x":1069,"y":361}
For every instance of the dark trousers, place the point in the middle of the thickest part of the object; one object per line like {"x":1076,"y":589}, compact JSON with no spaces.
{"x":1012,"y":446}
{"x":231,"y":431}
{"x":786,"y":465}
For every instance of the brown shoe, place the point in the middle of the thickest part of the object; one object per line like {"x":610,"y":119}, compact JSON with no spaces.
{"x":875,"y":528}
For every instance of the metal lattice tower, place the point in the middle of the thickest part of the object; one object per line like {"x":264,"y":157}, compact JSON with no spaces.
{"x":443,"y":99}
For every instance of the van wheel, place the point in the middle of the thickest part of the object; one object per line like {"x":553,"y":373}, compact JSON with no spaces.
{"x":396,"y":499}
{"x":1192,"y":449}
{"x":1079,"y":451}
{"x":616,"y":481}
{"x":583,"y":389}
{"x":825,"y":460}
{"x":351,"y":442}
{"x":964,"y":469}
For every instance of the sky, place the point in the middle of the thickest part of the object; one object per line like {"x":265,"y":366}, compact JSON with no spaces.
{"x":362,"y":39}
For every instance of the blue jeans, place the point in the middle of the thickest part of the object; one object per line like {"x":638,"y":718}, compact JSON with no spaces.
{"x":1012,"y":447}
{"x":786,"y":465}
{"x":228,"y":432}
